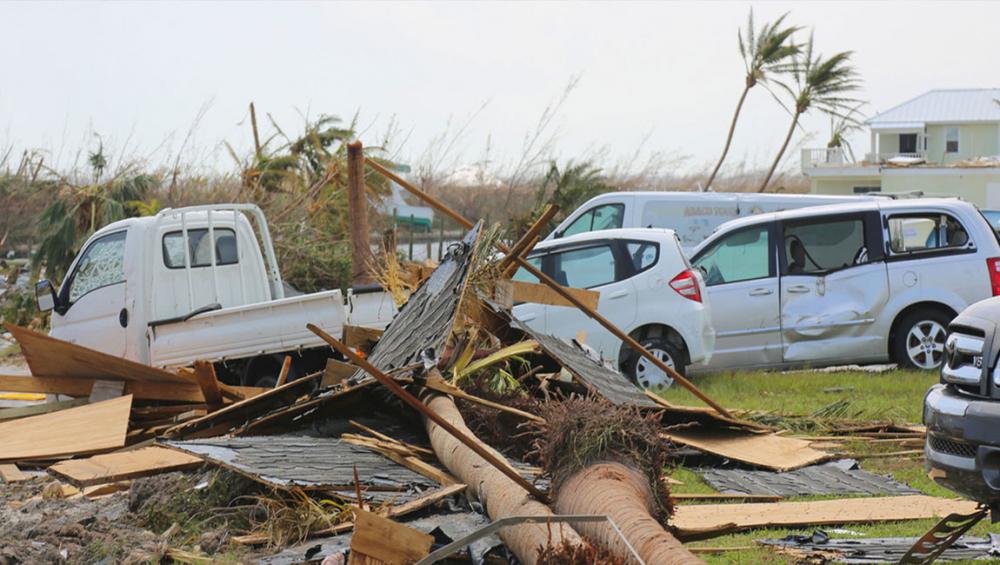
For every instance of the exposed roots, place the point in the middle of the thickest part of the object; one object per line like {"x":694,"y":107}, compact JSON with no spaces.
{"x":580,"y":432}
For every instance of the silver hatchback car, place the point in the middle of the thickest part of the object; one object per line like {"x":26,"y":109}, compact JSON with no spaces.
{"x":849,"y":283}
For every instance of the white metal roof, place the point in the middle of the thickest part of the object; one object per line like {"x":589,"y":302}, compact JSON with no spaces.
{"x":942,"y":106}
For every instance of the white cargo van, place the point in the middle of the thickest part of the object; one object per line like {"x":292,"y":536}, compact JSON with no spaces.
{"x":692,"y":215}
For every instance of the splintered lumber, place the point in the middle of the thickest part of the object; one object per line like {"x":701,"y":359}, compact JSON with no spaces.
{"x":112,"y":467}
{"x":204,"y":374}
{"x":764,"y":450}
{"x":415,"y":449}
{"x":701,"y":517}
{"x":464,"y":436}
{"x":336,"y":373}
{"x":36,"y":409}
{"x":51,"y":357}
{"x":623,"y":494}
{"x":11,"y":474}
{"x":81,"y":387}
{"x":507,"y":265}
{"x":360,"y":337}
{"x":495,"y":490}
{"x":286,"y":367}
{"x":75,"y":431}
{"x":406,"y":460}
{"x":379,"y":540}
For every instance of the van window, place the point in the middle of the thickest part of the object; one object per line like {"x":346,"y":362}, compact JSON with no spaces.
{"x":584,"y":268}
{"x":102,"y":264}
{"x":922,"y":232}
{"x":605,"y":217}
{"x":525,"y":276}
{"x":740,"y":256}
{"x":824,"y":245}
{"x":198,"y":246}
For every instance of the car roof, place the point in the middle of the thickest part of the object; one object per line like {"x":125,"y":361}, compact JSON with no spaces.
{"x":860,"y":206}
{"x":649,"y":234}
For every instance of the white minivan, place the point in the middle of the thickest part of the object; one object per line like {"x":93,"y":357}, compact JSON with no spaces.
{"x":692,"y":215}
{"x":851,"y":283}
{"x":648,"y":289}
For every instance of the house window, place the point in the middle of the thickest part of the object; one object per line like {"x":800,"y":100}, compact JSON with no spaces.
{"x":907,"y":143}
{"x":951,"y":140}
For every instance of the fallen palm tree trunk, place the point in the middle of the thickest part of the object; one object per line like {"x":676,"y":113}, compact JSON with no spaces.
{"x":501,"y":496}
{"x":607,"y":460}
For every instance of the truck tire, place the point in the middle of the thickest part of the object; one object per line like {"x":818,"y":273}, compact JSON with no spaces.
{"x":918,"y":342}
{"x":646,"y":375}
{"x":263,"y":371}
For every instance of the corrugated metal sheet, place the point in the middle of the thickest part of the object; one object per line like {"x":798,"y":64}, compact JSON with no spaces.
{"x":943,"y":106}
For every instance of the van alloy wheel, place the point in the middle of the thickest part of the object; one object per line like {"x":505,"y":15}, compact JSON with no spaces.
{"x":649,"y":376}
{"x":925,"y":344}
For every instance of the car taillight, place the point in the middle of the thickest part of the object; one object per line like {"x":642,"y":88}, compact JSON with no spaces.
{"x":993,"y":266}
{"x":686,"y":285}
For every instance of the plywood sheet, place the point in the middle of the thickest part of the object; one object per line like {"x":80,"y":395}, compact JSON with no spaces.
{"x":764,"y":450}
{"x":381,"y":540}
{"x":123,"y":465}
{"x":701,"y":517}
{"x":84,"y":429}
{"x":50,"y":357}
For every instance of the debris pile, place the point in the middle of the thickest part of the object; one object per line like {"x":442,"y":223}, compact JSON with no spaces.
{"x":376,"y":458}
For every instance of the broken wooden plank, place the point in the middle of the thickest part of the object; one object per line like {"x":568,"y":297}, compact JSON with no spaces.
{"x":51,"y":357}
{"x":11,"y":474}
{"x":336,"y":372}
{"x":423,"y":451}
{"x":204,"y":375}
{"x":106,"y":390}
{"x":74,"y":431}
{"x":36,"y":409}
{"x":701,"y":517}
{"x":286,"y":367}
{"x":105,"y":489}
{"x":378,"y":540}
{"x":409,"y":461}
{"x":80,"y":387}
{"x":124,"y":465}
{"x":508,"y":293}
{"x":360,"y":337}
{"x":727,"y":496}
{"x":764,"y":450}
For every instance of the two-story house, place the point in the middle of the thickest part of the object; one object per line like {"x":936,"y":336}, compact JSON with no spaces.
{"x":942,"y":143}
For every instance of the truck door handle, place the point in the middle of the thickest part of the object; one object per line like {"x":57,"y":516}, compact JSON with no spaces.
{"x":798,"y":288}
{"x":618,"y":294}
{"x":761,"y":292}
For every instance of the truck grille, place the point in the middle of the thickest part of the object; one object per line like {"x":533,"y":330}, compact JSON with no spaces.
{"x":949,"y":447}
{"x":963,"y":365}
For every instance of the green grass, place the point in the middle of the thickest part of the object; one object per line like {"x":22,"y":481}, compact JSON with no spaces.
{"x":896,"y":395}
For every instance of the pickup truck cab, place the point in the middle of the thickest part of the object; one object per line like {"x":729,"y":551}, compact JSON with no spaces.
{"x":866,"y":282}
{"x":193,"y":284}
{"x":647,"y":288}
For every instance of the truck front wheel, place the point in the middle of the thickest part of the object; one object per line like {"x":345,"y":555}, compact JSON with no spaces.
{"x":263,"y":371}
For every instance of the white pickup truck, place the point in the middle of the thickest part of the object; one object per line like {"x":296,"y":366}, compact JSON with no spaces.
{"x":192,"y":284}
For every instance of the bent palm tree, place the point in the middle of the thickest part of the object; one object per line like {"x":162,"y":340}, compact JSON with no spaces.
{"x":823,"y":84}
{"x":765,"y":53}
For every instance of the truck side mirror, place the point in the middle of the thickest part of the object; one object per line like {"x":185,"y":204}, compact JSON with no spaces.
{"x":45,"y":295}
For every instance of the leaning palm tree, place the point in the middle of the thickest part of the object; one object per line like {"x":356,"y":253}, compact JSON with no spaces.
{"x":821,"y":83}
{"x":766,"y":53}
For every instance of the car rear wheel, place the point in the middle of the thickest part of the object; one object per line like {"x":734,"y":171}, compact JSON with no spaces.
{"x":647,"y":375}
{"x":919,"y":340}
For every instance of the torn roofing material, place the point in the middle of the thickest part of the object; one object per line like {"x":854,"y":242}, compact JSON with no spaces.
{"x":424,"y":323}
{"x":599,"y":379}
{"x":310,"y":462}
{"x":880,"y":550}
{"x":836,"y":477}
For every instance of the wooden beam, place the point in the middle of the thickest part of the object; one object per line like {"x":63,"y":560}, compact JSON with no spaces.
{"x":204,"y":374}
{"x":548,"y":281}
{"x":508,"y":293}
{"x":122,"y":465}
{"x":526,"y":243}
{"x":81,"y":387}
{"x":36,"y":409}
{"x":415,"y":403}
{"x":357,"y":203}
{"x":286,"y":366}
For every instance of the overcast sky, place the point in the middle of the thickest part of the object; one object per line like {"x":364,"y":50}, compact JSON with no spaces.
{"x":661,"y":76}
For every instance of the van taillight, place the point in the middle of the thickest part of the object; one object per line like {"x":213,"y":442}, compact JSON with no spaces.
{"x":993,"y":266}
{"x":686,"y":285}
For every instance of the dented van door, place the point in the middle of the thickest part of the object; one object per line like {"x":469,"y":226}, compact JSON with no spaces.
{"x":834,"y":283}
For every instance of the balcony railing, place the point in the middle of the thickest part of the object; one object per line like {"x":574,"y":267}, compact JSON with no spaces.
{"x":836,"y":157}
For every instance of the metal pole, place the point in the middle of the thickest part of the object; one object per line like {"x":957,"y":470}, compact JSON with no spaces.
{"x":440,"y":238}
{"x":411,"y":237}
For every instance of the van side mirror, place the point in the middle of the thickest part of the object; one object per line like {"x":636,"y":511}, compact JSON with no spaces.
{"x":45,"y":295}
{"x":557,"y":235}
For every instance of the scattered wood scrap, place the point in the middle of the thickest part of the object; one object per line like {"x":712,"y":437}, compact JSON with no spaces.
{"x":770,"y":451}
{"x":378,"y":540}
{"x":511,"y":292}
{"x":702,"y":517}
{"x":11,"y":474}
{"x":74,"y":431}
{"x":123,"y":465}
{"x":36,"y":409}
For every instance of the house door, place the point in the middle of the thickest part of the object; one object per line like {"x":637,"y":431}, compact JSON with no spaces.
{"x":907,"y":143}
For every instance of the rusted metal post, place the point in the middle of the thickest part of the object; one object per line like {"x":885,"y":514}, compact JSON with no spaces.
{"x":415,"y":403}
{"x":551,"y":283}
{"x":357,"y":202}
